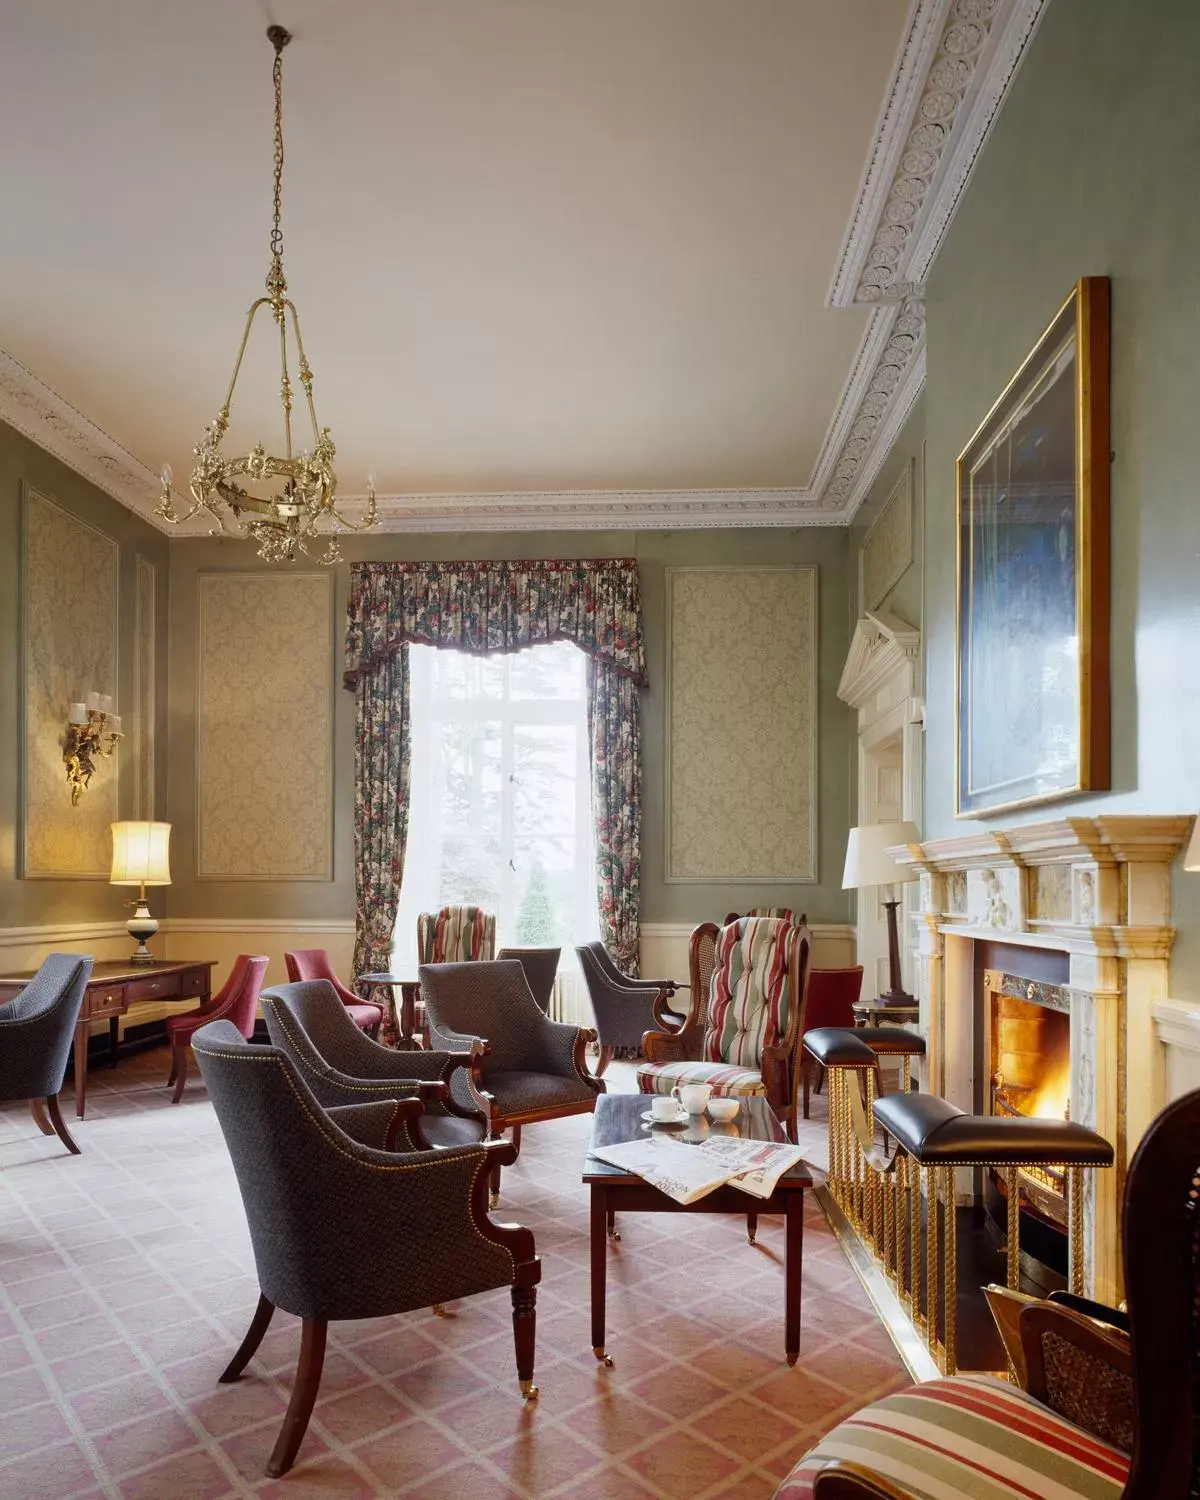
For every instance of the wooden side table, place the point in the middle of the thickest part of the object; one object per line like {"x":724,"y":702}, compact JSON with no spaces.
{"x":404,"y":1015}
{"x":111,"y":990}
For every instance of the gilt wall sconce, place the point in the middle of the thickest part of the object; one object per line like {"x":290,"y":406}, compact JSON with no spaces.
{"x":92,"y":729}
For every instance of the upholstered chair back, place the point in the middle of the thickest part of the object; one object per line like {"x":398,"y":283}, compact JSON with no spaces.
{"x":36,"y":1028}
{"x":757,"y":979}
{"x":491,"y":1000}
{"x":238,"y":997}
{"x":832,"y":995}
{"x":780,"y":913}
{"x":541,"y":970}
{"x":456,"y":935}
{"x":315,"y":963}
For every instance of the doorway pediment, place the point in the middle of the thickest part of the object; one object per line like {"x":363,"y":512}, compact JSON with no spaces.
{"x":883,"y":643}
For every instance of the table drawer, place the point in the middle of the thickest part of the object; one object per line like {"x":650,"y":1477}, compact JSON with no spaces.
{"x":165,"y":987}
{"x":106,"y":1000}
{"x":193,"y":982}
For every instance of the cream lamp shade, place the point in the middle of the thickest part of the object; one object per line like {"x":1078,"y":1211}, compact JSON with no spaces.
{"x":867,"y":859}
{"x":1191,"y":860}
{"x":140,"y":854}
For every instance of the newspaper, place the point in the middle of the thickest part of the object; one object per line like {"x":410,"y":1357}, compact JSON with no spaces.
{"x":687,"y":1172}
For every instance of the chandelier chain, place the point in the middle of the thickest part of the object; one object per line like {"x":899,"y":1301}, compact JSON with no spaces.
{"x":276,"y":231}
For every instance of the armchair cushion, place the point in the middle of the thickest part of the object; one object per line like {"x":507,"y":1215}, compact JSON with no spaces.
{"x":661,"y":1078}
{"x":967,"y":1438}
{"x":747,"y":1009}
{"x":518,"y":1093}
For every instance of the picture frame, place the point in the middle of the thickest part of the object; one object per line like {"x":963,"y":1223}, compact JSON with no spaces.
{"x":1032,"y":574}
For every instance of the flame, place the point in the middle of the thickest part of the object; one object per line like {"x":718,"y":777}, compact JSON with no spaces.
{"x":1052,"y":1100}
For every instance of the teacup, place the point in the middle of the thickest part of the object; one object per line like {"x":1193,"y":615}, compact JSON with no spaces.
{"x":663,"y":1107}
{"x":693,"y":1096}
{"x":723,"y":1110}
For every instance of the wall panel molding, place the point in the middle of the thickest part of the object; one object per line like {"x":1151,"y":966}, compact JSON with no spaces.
{"x":887,"y":549}
{"x":69,"y":601}
{"x":741,"y":725}
{"x":264,"y":727}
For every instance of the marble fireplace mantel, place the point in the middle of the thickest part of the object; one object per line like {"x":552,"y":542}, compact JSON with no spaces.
{"x":1098,"y":889}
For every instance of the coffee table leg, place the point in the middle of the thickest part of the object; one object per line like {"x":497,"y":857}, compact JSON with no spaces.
{"x":599,"y":1271}
{"x":793,"y":1275}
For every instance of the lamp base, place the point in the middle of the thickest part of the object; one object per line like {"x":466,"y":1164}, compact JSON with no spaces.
{"x":141,"y":926}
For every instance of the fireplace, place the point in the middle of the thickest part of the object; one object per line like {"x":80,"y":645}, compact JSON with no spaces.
{"x":1079,"y":910}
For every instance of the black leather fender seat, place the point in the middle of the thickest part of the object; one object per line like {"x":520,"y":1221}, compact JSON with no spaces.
{"x":936,"y":1133}
{"x":839,"y":1047}
{"x":891,"y":1041}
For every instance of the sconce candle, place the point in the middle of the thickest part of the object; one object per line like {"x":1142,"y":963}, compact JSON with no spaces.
{"x":92,"y":729}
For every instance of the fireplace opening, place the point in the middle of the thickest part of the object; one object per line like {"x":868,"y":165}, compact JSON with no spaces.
{"x":1029,"y":1073}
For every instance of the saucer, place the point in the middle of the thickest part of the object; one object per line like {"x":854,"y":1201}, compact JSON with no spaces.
{"x":681,"y":1118}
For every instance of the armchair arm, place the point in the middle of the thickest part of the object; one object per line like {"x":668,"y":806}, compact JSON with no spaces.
{"x":375,"y":1124}
{"x":1081,"y":1369}
{"x":666,"y":1046}
{"x":562,"y":1048}
{"x":844,"y":1480}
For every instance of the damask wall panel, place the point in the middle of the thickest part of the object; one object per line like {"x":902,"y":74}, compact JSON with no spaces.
{"x":70,"y":649}
{"x":264,"y":727}
{"x":143,"y":688}
{"x":741,"y":751}
{"x":887,"y":549}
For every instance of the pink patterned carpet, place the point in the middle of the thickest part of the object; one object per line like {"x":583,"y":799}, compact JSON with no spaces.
{"x":126,"y":1281}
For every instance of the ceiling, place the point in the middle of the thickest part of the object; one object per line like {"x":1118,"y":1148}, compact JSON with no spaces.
{"x":550,"y":256}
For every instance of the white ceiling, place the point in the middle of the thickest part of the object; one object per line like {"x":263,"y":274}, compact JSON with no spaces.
{"x":537,"y":245}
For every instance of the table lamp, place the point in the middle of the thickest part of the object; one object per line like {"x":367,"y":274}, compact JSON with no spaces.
{"x":868,"y":864}
{"x":140,"y":858}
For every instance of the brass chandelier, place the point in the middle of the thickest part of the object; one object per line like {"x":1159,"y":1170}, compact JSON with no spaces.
{"x":287,"y":520}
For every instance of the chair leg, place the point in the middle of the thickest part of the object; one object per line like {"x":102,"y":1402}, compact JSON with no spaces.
{"x":820,"y":1083}
{"x":751,"y":1227}
{"x":60,"y":1129}
{"x":304,"y":1394}
{"x":807,"y":1080}
{"x":603,"y":1061}
{"x":524,"y":1300}
{"x":494,"y":1188}
{"x":516,"y":1138}
{"x":37,"y":1108}
{"x":179,"y":1069}
{"x":259,"y":1324}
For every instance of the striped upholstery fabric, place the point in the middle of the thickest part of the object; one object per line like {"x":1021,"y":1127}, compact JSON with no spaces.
{"x":456,"y":935}
{"x":661,"y":1078}
{"x":969,"y":1438}
{"x":747,"y":1004}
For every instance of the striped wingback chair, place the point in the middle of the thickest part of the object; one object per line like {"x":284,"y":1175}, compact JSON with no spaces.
{"x":741,"y":1031}
{"x":1105,"y":1408}
{"x":456,"y":935}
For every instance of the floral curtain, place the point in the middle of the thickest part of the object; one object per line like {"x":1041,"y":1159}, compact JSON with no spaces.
{"x":489,"y":607}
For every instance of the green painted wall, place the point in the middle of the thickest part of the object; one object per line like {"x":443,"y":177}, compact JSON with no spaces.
{"x":1092,"y":169}
{"x":655,"y":551}
{"x":34,"y":902}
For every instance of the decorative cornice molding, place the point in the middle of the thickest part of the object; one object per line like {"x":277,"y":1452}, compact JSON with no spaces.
{"x":882,"y":643}
{"x":949,"y":83}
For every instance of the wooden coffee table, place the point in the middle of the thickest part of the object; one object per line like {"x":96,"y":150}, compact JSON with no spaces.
{"x":618,"y":1118}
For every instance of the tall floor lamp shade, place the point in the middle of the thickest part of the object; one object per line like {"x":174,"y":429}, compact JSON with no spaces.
{"x":869,"y":864}
{"x":141,"y":858}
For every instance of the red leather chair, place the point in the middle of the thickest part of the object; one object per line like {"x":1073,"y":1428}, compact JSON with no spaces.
{"x":313,"y":963}
{"x":237,"y":1001}
{"x":832,"y":994}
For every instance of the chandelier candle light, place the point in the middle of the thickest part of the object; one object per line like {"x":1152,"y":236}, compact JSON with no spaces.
{"x":286,"y":520}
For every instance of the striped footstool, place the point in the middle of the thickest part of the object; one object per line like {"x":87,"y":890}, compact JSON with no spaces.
{"x":724,"y":1079}
{"x":970,"y":1438}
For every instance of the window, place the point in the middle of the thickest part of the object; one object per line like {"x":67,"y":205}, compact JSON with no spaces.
{"x":500,"y":813}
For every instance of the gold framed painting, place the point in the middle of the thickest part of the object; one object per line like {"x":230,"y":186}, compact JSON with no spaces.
{"x":1032,"y":605}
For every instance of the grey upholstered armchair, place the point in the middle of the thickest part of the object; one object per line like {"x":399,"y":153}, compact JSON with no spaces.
{"x":625,"y":1009}
{"x":524,"y":1067}
{"x":342,"y":1225}
{"x":342,"y":1065}
{"x":35,"y":1037}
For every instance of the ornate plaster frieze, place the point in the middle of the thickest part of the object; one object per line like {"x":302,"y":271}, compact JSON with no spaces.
{"x":953,"y":72}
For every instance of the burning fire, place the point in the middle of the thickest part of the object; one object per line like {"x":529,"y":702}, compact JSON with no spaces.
{"x":1051,"y":1099}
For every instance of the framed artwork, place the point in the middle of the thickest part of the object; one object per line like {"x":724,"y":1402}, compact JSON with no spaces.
{"x":1032,"y":706}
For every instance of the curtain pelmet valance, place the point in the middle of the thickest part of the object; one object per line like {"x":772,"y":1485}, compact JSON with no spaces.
{"x":487,"y":607}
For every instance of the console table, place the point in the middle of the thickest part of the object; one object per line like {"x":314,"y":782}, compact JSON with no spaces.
{"x":112,"y":989}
